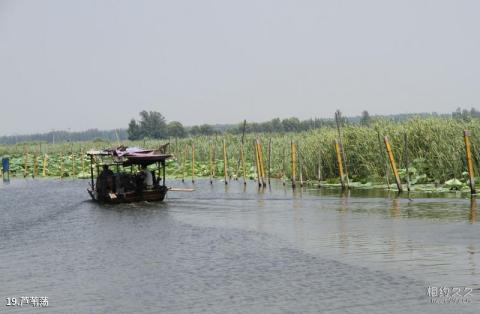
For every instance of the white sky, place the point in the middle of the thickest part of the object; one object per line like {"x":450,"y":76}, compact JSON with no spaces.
{"x":96,"y":64}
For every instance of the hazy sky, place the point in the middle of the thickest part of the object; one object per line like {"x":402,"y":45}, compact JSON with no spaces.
{"x":95,"y":64}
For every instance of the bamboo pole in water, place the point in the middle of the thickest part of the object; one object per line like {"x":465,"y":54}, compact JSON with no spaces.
{"x":264,"y":174}
{"x":406,"y":160}
{"x":210,"y":161}
{"x":35,"y":166}
{"x":340,"y":163}
{"x":44,"y":165}
{"x":473,"y":208}
{"x":284,"y":155}
{"x":392,"y":164}
{"x":214,"y":157}
{"x":259,"y":153}
{"x":468,"y":152}
{"x":262,"y":165}
{"x":300,"y":164}
{"x":293,"y":157}
{"x":319,"y":173}
{"x":35,"y":161}
{"x":241,"y":143}
{"x":184,"y":168}
{"x":269,"y":162}
{"x":342,"y":149}
{"x":193,"y":162}
{"x":257,"y":163}
{"x":225,"y":162}
{"x":242,"y":157}
{"x":385,"y":162}
{"x":257,"y":160}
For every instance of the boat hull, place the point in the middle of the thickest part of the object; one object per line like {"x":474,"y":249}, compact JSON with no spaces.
{"x":154,"y":195}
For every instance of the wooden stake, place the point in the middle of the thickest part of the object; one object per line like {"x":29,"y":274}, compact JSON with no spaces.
{"x":406,"y":160}
{"x":392,"y":164}
{"x":242,"y":157}
{"x":284,"y":155}
{"x":210,"y":161}
{"x":340,"y":163}
{"x":225,"y":162}
{"x":35,"y":166}
{"x":473,"y":209}
{"x":269,"y":157}
{"x":193,"y":163}
{"x":262,"y":164}
{"x":300,"y":162}
{"x":242,"y":143}
{"x":35,"y":161}
{"x":319,"y":173}
{"x":293,"y":157}
{"x":184,"y":168}
{"x":214,"y":157}
{"x":466,"y":138}
{"x":382,"y":154}
{"x":337,"y":119}
{"x":44,"y":165}
{"x":180,"y":190}
{"x":257,"y":163}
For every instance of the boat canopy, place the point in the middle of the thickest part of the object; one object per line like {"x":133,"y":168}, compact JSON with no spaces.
{"x":132,"y":155}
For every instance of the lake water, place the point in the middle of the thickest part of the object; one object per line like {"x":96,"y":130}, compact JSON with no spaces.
{"x":231,"y":249}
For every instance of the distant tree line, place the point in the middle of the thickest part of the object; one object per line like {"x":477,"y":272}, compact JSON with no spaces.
{"x":153,"y":124}
{"x":65,"y":136}
{"x":465,"y":114}
{"x":282,"y":125}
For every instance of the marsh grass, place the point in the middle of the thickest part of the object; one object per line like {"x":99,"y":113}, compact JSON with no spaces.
{"x":435,"y":148}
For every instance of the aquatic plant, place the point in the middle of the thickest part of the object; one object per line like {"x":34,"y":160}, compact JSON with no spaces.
{"x":434,"y":146}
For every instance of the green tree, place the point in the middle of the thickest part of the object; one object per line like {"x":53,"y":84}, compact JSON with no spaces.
{"x":176,"y":129}
{"x":339,"y":118}
{"x":194,"y":130}
{"x":277,"y":125}
{"x":152,"y":124}
{"x":134,"y":132}
{"x":206,"y":129}
{"x":463,"y":114}
{"x":291,"y":124}
{"x":366,"y":119}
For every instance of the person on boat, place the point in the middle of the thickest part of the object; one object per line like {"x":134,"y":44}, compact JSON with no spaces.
{"x":147,"y":177}
{"x":106,"y":180}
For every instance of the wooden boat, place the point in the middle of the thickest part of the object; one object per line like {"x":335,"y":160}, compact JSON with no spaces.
{"x":127,"y":184}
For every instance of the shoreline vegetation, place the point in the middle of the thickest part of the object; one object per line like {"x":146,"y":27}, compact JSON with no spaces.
{"x":431,"y":148}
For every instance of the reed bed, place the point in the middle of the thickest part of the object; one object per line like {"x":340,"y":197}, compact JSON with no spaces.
{"x":435,"y":148}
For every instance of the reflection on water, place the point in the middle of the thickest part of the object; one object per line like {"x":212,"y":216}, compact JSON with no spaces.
{"x":235,"y":248}
{"x":473,"y":209}
{"x":416,"y":234}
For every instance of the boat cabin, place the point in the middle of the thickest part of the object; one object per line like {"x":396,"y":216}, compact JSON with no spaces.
{"x":126,"y":174}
